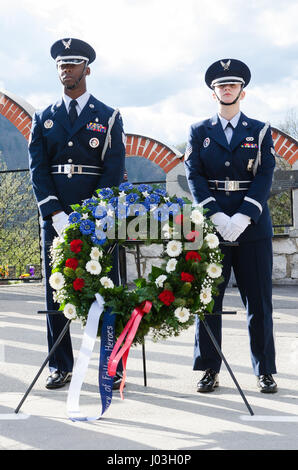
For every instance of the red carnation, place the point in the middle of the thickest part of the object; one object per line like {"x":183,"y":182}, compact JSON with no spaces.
{"x":166,"y":297}
{"x":179,"y":219}
{"x":78,"y":284}
{"x":191,"y":236}
{"x":76,"y":246}
{"x":72,"y":263}
{"x":186,"y":277}
{"x":194,"y":256}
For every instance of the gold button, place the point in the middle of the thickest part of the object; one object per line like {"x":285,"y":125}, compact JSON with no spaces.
{"x":70,"y":143}
{"x":69,"y":160}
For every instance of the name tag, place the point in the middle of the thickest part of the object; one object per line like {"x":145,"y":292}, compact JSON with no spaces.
{"x":94,"y":126}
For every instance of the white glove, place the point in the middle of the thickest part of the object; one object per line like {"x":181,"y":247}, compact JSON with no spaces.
{"x":60,"y":221}
{"x":238,"y":223}
{"x":221,"y":221}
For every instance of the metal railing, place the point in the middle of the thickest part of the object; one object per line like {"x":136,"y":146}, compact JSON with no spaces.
{"x":20,"y":254}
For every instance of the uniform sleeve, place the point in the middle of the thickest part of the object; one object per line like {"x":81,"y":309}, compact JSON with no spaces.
{"x":197,"y":180}
{"x":259,"y":190}
{"x":42,"y":183}
{"x":114,"y":159}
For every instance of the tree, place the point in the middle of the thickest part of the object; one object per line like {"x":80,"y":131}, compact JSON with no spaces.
{"x":19,"y":229}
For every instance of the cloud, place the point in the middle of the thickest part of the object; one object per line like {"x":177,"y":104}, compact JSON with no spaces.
{"x":152,"y":55}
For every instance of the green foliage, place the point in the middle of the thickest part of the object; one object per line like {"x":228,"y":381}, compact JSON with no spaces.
{"x":19,"y":230}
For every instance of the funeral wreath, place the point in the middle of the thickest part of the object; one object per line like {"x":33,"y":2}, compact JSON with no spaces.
{"x":183,"y":286}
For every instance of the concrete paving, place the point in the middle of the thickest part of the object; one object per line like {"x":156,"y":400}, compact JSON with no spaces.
{"x":167,"y":414}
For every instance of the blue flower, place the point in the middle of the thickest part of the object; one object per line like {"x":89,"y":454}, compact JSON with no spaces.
{"x":97,"y":241}
{"x":87,"y":227}
{"x":160,"y":192}
{"x":74,"y":217}
{"x":161,"y":213}
{"x":137,"y":209}
{"x":132,"y":198}
{"x":125,"y":186}
{"x":152,"y":199}
{"x":99,"y":212}
{"x":122,"y":211}
{"x":144,"y":187}
{"x":113,"y":201}
{"x":89,"y":203}
{"x":180,"y":201}
{"x":106,"y":224}
{"x":105,"y":193}
{"x":174,"y":207}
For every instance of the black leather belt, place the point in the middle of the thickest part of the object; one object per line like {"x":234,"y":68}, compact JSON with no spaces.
{"x":70,"y":169}
{"x":229,"y":185}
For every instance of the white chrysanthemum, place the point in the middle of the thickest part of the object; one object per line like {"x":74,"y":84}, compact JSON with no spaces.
{"x":171,"y":265}
{"x":93,"y":267}
{"x":197,"y":217}
{"x":160,"y":280}
{"x":182,"y":314}
{"x":212,"y":240}
{"x":56,"y":242}
{"x":57,"y":281}
{"x":95,"y":253}
{"x":174,"y":248}
{"x":70,"y":311}
{"x":106,"y":282}
{"x":213,"y":270}
{"x":205,"y":296}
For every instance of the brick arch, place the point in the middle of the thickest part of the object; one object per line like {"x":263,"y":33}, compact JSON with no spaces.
{"x":17,"y":111}
{"x":20,"y":113}
{"x":285,"y":145}
{"x":161,"y":154}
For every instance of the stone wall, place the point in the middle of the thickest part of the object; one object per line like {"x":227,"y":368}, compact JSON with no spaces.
{"x":285,"y":247}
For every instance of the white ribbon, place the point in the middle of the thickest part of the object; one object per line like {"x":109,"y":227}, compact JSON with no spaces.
{"x":90,"y":334}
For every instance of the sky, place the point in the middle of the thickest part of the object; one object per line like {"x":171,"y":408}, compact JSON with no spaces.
{"x":152,"y":56}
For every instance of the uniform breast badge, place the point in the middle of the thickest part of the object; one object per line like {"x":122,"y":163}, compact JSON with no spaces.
{"x":250,"y":164}
{"x":206,"y":142}
{"x":94,"y":142}
{"x":48,"y":124}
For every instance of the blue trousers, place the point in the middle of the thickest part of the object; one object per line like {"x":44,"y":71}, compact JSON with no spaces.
{"x":62,"y":359}
{"x":252,"y":265}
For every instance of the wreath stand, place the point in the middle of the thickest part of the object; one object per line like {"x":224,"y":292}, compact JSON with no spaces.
{"x":123,"y":276}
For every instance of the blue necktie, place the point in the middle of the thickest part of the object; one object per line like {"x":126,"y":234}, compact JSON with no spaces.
{"x":72,"y":111}
{"x":229,"y":132}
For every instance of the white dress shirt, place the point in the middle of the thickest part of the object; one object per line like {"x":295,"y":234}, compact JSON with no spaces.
{"x":227,"y":129}
{"x":81,"y":100}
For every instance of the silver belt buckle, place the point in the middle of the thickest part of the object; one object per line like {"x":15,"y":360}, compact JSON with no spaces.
{"x":231,"y":185}
{"x":68,"y":168}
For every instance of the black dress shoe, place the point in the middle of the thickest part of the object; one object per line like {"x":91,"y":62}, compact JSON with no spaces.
{"x":58,"y":379}
{"x":208,"y":382}
{"x":267,"y":384}
{"x":117,"y":381}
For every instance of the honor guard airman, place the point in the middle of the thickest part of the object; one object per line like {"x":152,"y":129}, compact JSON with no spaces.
{"x":76,"y":146}
{"x":229,"y":163}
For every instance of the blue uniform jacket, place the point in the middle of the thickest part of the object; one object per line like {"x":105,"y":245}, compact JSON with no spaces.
{"x":209,"y":157}
{"x":53,"y":141}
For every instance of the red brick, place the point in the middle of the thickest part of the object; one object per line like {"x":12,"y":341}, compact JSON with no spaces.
{"x":135,"y":144}
{"x":279,"y":143}
{"x":161,"y":156}
{"x":148,"y":149}
{"x":152,"y":155}
{"x":294,"y":157}
{"x":26,"y":122}
{"x":171,"y":165}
